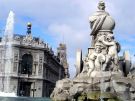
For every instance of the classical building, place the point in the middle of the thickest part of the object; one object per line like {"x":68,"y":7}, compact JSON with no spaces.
{"x":34,"y":68}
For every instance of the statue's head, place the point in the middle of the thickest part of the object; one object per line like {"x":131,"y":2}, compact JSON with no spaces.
{"x":101,"y":5}
{"x":99,"y":47}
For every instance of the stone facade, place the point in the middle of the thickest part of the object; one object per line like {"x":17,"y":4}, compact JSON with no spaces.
{"x":34,"y":69}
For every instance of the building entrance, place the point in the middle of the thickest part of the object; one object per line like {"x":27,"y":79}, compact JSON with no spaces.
{"x":25,"y":88}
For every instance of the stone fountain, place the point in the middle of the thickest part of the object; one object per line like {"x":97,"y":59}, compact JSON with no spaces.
{"x":102,"y":75}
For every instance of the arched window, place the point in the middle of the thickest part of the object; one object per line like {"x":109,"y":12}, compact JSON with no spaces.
{"x":27,"y":62}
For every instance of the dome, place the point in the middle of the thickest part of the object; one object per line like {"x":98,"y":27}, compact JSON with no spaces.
{"x":108,"y":24}
{"x":29,"y":24}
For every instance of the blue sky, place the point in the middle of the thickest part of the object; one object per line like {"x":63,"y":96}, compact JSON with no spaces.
{"x":56,"y":21}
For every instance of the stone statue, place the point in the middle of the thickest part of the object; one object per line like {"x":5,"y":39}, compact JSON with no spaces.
{"x":112,"y":48}
{"x":101,"y":71}
{"x":95,"y":59}
{"x":101,"y":22}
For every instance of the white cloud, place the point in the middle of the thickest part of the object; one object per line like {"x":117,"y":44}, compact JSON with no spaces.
{"x":74,"y":39}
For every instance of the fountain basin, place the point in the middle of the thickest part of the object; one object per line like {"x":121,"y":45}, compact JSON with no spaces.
{"x":23,"y":99}
{"x":4,"y":94}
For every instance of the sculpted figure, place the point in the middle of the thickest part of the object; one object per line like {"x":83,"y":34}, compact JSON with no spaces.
{"x":112,"y":47}
{"x":96,"y":59}
{"x":101,"y":22}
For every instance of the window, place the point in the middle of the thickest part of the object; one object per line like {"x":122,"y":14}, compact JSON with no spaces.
{"x":27,"y":62}
{"x":16,"y":57}
{"x":40,"y":69}
{"x":15,"y":66}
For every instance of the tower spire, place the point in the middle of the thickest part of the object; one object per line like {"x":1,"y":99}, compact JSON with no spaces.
{"x":29,"y":25}
{"x":28,"y":33}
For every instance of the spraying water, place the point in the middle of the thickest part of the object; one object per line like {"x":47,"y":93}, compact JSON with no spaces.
{"x":102,"y":78}
{"x":7,"y":42}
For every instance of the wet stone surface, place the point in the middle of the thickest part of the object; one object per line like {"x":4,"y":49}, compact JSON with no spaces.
{"x":23,"y":99}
